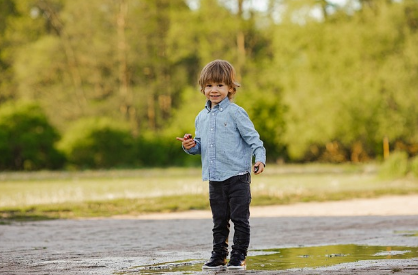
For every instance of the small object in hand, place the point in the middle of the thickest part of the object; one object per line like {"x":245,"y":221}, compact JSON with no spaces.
{"x":256,"y":169}
{"x":189,"y":136}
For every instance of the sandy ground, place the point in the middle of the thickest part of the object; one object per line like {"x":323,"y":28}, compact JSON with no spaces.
{"x":384,"y":206}
{"x":120,"y":244}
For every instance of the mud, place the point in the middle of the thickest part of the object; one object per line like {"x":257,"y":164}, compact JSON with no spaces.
{"x":119,"y":246}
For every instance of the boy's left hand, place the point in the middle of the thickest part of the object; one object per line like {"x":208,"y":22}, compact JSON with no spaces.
{"x":260,"y":166}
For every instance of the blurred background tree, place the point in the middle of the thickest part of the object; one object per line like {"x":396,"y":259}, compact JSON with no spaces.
{"x":322,"y":80}
{"x":27,"y":139}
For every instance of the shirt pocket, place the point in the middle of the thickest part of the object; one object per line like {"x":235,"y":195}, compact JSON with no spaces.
{"x":230,"y":141}
{"x":228,"y":130}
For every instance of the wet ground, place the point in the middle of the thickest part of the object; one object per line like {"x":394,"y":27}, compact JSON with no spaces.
{"x":279,"y":245}
{"x":294,"y":258}
{"x":363,"y":236}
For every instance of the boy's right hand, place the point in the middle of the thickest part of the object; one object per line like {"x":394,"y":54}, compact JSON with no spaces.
{"x":187,"y":141}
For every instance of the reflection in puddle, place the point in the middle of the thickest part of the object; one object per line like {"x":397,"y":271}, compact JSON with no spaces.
{"x":288,"y":258}
{"x":312,"y":257}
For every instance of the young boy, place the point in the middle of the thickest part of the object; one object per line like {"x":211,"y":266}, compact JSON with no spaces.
{"x":226,"y":139}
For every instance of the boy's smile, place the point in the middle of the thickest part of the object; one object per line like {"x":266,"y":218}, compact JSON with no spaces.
{"x":216,"y":92}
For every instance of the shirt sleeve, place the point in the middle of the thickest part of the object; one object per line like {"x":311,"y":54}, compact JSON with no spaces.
{"x":250,"y":134}
{"x":195,"y":150}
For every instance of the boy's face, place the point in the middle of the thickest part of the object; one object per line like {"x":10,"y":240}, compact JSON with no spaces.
{"x":216,"y":92}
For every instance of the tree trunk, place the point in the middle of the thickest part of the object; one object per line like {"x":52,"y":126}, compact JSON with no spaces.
{"x":126,"y":107}
{"x":72,"y":63}
{"x":240,"y":42}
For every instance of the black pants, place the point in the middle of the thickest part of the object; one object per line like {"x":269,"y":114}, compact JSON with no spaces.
{"x":230,"y":200}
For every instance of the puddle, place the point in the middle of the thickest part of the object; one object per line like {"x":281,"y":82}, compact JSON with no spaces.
{"x":320,"y":256}
{"x":288,"y":258}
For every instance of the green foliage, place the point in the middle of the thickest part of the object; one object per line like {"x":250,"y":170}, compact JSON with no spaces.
{"x":107,"y":208}
{"x":98,"y":143}
{"x":313,"y":74}
{"x":338,"y":79}
{"x":267,"y":115}
{"x":414,"y":166}
{"x":163,"y":151}
{"x":395,"y":166}
{"x":27,"y":139}
{"x":183,"y":118}
{"x":398,"y":165}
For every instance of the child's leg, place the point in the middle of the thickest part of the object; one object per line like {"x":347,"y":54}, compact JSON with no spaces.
{"x":240,"y":199}
{"x":220,"y":214}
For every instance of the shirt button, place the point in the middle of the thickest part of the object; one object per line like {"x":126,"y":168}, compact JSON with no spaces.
{"x":221,"y":109}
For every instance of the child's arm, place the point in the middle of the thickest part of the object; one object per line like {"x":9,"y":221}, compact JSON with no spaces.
{"x":252,"y":138}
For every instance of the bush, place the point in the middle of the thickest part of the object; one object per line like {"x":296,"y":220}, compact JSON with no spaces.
{"x":262,"y":111}
{"x":98,"y":143}
{"x":395,"y":166}
{"x":27,"y":139}
{"x":414,"y":166}
{"x":162,"y":151}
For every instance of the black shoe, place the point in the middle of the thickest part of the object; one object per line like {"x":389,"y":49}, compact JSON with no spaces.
{"x":237,"y":261}
{"x":216,"y":262}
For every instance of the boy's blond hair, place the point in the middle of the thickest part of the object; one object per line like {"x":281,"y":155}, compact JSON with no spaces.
{"x":219,"y":71}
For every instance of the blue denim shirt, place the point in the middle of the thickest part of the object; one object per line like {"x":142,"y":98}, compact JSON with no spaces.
{"x":226,"y":139}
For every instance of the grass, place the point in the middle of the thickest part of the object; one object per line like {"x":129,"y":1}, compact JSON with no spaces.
{"x":51,"y":195}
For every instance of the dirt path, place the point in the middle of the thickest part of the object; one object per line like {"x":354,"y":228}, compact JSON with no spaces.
{"x":119,"y":245}
{"x":384,"y":206}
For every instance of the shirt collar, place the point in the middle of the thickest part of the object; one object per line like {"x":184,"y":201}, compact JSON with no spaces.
{"x":222,"y":105}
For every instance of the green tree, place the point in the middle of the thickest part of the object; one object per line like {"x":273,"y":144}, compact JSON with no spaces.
{"x":7,"y":10}
{"x":105,"y":57}
{"x":337,"y":80}
{"x":98,"y":143}
{"x":19,"y":25}
{"x":315,"y":75}
{"x":27,"y":139}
